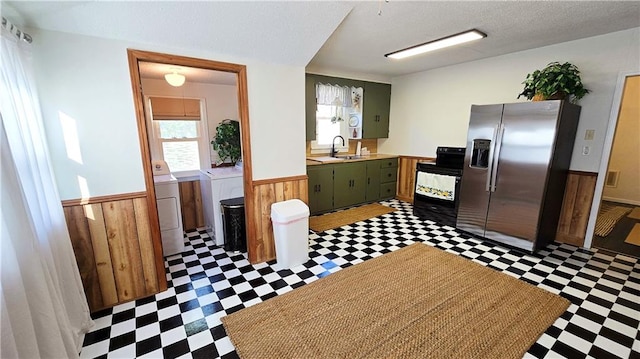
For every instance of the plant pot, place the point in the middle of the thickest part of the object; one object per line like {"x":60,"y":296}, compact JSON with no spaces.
{"x":538,"y":97}
{"x":556,"y":96}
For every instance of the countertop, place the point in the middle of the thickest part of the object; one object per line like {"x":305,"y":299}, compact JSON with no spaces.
{"x":222,"y":172}
{"x":373,"y":156}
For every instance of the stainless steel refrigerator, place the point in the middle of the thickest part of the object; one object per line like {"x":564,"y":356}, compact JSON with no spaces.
{"x":515,"y":170}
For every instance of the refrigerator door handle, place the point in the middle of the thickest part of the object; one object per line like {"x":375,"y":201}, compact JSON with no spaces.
{"x":491,"y":154}
{"x":496,"y":157}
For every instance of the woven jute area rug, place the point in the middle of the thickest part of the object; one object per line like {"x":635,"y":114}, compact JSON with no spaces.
{"x":635,"y":214}
{"x":416,"y":302}
{"x":342,"y":218}
{"x":608,"y":216}
{"x":634,"y":235}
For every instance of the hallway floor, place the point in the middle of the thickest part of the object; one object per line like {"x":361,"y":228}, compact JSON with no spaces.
{"x":206,"y":283}
{"x":615,"y":241}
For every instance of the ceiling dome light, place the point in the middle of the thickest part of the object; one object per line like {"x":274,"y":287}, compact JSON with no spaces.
{"x":175,"y":79}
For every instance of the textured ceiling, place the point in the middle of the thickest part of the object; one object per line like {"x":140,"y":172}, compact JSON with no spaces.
{"x":336,"y":36}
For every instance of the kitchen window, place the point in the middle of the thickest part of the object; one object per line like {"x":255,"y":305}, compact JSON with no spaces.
{"x":338,"y":110}
{"x":327,"y":128}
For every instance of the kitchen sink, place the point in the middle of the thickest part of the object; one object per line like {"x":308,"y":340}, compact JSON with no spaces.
{"x":350,"y":157}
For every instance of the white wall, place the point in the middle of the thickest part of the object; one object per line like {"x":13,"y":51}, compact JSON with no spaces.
{"x":277,"y":121}
{"x":87,"y":79}
{"x":85,"y":82}
{"x":431,"y":108}
{"x":221,"y":101}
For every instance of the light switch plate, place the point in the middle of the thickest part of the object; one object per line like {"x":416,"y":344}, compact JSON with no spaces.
{"x":589,"y":135}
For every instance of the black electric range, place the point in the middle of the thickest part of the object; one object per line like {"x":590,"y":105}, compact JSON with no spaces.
{"x":437,"y":186}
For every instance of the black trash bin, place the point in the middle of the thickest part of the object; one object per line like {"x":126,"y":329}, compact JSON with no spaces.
{"x":235,"y":234}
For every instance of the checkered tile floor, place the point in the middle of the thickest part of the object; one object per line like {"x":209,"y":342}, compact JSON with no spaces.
{"x":206,"y":283}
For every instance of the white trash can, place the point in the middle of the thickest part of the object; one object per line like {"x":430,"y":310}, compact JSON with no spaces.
{"x":291,"y":232}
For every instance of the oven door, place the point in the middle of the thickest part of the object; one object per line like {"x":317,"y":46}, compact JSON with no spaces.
{"x":436,"y":193}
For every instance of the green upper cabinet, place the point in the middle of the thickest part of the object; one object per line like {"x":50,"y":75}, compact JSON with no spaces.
{"x":377,"y":104}
{"x":310,"y":106}
{"x":377,"y":99}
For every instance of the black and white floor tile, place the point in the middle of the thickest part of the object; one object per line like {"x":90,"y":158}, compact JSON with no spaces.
{"x":206,"y":283}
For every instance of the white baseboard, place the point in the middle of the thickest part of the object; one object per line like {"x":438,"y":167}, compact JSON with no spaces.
{"x":621,"y":200}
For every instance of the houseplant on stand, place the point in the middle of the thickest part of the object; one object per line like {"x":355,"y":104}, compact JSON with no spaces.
{"x":226,"y":142}
{"x":555,"y":82}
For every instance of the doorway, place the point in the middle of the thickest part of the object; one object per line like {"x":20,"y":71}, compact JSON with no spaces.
{"x":617,"y":197}
{"x":136,"y":58}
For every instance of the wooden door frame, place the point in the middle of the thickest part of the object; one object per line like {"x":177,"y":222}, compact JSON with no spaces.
{"x":606,"y":155}
{"x":134,"y":57}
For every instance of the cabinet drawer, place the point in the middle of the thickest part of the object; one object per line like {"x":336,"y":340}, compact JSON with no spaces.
{"x":387,"y":190}
{"x":391,"y":162}
{"x":388,"y":174}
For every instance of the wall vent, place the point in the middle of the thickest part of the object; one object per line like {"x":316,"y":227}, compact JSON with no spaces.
{"x":612,"y":179}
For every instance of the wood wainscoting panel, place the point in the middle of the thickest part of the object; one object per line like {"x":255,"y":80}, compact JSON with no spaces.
{"x":146,"y":245}
{"x":407,"y":176}
{"x":79,"y":232}
{"x":576,"y":206}
{"x":119,"y":218}
{"x":107,"y":281}
{"x":191,"y":205}
{"x":261,"y":247}
{"x":115,"y":249}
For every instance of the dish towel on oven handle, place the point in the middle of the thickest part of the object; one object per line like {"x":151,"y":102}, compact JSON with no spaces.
{"x":436,"y":186}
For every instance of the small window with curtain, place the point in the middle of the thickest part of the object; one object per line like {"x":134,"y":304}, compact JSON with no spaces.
{"x":336,"y":111}
{"x":178,"y":133}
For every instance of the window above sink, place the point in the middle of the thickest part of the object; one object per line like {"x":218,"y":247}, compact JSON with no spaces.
{"x":338,"y":113}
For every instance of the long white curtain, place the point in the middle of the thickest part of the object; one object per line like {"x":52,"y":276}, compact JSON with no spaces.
{"x":44,"y":311}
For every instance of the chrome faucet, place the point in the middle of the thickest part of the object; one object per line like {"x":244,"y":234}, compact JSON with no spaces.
{"x":333,"y":148}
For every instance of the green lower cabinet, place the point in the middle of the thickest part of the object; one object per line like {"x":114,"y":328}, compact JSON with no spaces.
{"x":349,"y":184}
{"x":373,"y":180}
{"x":341,"y":185}
{"x":320,"y":188}
{"x":389,"y":174}
{"x":388,"y":178}
{"x":388,"y":190}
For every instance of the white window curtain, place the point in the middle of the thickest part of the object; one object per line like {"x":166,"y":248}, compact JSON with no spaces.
{"x":327,"y":94}
{"x":44,"y":311}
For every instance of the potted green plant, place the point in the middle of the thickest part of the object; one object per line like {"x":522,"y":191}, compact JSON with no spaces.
{"x":554,"y":82}
{"x":226,"y":142}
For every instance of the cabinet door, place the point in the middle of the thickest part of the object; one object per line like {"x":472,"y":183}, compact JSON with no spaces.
{"x":376,"y":106}
{"x":310,"y":106}
{"x":349,"y":186}
{"x":320,"y":188}
{"x":388,"y":190}
{"x":373,"y":180}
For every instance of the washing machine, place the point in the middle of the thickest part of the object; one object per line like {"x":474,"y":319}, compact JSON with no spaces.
{"x":169,"y":213}
{"x":218,"y":184}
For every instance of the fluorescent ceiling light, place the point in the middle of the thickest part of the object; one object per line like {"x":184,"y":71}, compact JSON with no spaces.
{"x":175,"y":79}
{"x":438,"y":44}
